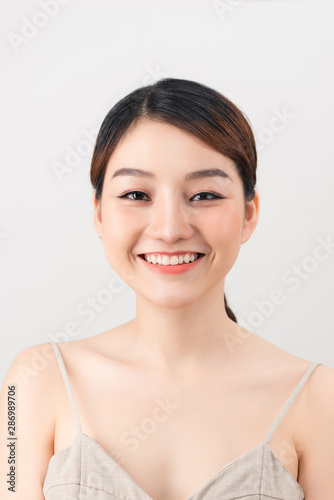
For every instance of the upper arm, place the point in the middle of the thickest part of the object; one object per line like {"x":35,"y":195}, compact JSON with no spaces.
{"x":30,"y":452}
{"x":316,"y":464}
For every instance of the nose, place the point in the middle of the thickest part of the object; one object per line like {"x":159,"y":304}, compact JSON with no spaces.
{"x":169,"y":219}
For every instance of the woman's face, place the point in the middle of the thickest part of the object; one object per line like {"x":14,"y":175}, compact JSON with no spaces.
{"x":170,"y":215}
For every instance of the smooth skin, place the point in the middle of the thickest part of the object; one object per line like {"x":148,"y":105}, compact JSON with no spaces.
{"x":222,"y":385}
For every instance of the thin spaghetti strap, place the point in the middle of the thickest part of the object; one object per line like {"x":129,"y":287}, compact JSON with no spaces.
{"x":66,"y":382}
{"x":291,"y":400}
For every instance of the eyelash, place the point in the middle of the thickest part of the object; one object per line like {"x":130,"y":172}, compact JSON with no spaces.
{"x":202,"y":192}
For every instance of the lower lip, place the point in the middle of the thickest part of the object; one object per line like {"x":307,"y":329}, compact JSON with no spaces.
{"x":179,"y":268}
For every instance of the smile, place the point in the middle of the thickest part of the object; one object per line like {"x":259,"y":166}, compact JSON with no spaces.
{"x":173,"y":265}
{"x":165,"y":260}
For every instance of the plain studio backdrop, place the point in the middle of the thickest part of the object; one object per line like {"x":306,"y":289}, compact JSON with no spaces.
{"x":67,"y":62}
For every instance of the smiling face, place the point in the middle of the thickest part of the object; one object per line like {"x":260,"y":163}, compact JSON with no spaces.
{"x":174,"y":212}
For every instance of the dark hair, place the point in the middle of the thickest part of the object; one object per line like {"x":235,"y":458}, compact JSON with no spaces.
{"x":190,"y":106}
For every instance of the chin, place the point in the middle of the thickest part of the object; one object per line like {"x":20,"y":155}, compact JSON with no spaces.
{"x":168,"y":301}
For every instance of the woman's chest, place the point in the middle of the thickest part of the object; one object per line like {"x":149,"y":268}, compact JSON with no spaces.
{"x":172,"y":440}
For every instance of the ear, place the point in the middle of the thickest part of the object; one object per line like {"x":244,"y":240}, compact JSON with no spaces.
{"x":97,"y":221}
{"x":251,"y":217}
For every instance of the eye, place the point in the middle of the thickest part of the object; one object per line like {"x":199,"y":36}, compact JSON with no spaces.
{"x":133,"y":192}
{"x":215,"y":196}
{"x":140,"y":193}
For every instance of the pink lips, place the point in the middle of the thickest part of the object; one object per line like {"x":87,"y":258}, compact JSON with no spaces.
{"x":179,"y":268}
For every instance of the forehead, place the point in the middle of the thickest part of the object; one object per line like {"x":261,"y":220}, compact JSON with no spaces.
{"x":161,"y":147}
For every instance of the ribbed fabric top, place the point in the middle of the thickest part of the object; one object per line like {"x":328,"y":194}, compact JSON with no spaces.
{"x":85,"y":471}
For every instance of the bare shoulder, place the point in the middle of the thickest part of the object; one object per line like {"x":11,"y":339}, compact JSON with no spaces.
{"x":316,"y":435}
{"x":33,"y":410}
{"x":319,"y":390}
{"x":32,"y":371}
{"x":32,"y":366}
{"x":265,"y":354}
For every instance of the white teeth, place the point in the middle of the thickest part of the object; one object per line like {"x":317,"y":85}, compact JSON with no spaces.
{"x":173,"y":260}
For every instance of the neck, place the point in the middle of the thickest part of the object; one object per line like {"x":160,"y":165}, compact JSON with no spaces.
{"x":175,"y":340}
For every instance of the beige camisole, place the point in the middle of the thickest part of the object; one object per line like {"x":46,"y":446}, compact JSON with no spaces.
{"x":85,"y":471}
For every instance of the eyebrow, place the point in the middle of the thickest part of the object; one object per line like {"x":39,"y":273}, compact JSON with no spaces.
{"x":197,"y":174}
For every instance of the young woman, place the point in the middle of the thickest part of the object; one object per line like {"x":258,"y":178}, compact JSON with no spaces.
{"x":180,"y":403}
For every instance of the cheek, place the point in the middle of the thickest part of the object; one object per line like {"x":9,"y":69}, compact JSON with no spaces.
{"x":225,"y":226}
{"x":119,"y":225}
{"x":224,"y":233}
{"x":120,"y":232}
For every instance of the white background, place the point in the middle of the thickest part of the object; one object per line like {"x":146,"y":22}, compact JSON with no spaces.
{"x":58,"y":82}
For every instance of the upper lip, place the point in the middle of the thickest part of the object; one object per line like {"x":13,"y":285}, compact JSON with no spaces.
{"x":173,"y":253}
